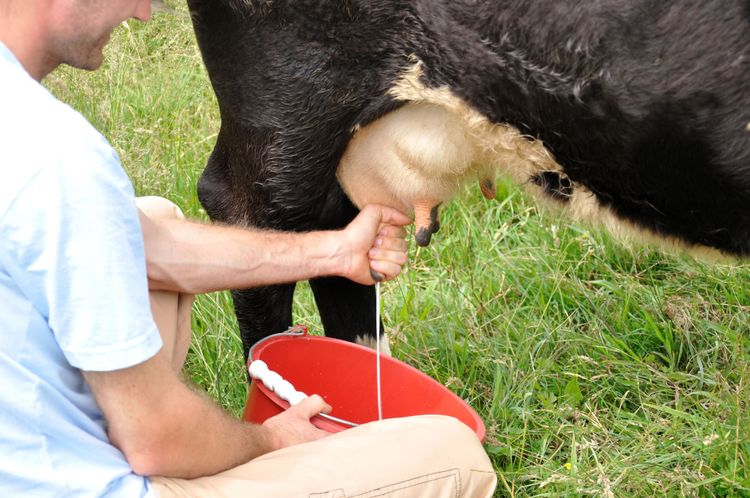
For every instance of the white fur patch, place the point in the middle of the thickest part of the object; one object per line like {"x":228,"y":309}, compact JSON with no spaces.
{"x":499,"y":146}
{"x":367,"y":341}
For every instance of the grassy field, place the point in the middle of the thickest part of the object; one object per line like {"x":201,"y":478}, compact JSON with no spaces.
{"x":599,"y":368}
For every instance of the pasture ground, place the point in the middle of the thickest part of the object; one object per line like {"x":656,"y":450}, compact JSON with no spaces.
{"x":600,"y":368}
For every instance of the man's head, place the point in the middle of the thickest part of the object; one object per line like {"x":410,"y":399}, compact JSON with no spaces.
{"x":82,"y":28}
{"x":46,"y":33}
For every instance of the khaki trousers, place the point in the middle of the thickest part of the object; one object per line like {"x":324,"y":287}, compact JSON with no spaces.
{"x":429,"y":456}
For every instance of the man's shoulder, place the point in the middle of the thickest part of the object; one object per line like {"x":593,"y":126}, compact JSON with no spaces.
{"x":35,"y":120}
{"x":41,"y":135}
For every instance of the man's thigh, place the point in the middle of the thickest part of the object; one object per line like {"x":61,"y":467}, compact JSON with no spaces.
{"x":427,"y":456}
{"x":171,"y":310}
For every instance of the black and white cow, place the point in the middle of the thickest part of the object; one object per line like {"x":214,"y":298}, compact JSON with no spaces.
{"x":634,"y":112}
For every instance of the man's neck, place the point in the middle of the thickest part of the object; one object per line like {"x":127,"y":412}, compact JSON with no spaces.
{"x":22,"y":31}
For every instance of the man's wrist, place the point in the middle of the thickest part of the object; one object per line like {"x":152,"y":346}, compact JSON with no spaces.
{"x":328,"y":253}
{"x":264,"y":439}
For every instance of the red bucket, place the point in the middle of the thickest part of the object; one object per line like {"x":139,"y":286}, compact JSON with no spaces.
{"x":343,"y":374}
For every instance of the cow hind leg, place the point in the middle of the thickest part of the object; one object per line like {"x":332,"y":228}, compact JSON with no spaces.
{"x":347,"y":310}
{"x":262,"y":311}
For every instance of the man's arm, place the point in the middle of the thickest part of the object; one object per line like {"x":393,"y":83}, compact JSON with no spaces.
{"x":186,"y":256}
{"x":165,"y":428}
{"x":161,"y":425}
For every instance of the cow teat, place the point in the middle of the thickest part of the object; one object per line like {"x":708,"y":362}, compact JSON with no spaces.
{"x":426,"y":221}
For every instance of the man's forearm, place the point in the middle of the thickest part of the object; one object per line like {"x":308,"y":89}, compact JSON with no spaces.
{"x":207,"y":442}
{"x":165,"y":428}
{"x":190,"y":257}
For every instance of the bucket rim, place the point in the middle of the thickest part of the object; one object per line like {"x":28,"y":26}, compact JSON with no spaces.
{"x":301,"y":332}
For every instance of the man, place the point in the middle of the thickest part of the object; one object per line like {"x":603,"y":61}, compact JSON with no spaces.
{"x":92,"y":403}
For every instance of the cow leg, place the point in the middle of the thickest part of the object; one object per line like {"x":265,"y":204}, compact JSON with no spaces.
{"x":262,"y":311}
{"x":347,"y":309}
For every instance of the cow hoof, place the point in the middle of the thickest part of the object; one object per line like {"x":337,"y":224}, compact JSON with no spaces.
{"x":370,"y":342}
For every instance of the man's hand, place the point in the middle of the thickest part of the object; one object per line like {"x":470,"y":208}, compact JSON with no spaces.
{"x":376,"y":241}
{"x":293,"y":425}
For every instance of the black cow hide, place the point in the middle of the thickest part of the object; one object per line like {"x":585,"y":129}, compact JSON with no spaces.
{"x":644,"y":106}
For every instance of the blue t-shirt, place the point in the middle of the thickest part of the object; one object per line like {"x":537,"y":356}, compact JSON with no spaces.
{"x":73,"y":295}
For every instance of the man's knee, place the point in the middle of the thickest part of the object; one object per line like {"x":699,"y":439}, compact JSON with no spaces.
{"x":438,"y":435}
{"x":158,"y":208}
{"x":458,"y":445}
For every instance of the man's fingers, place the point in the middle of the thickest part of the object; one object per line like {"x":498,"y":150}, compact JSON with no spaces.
{"x":388,"y":215}
{"x":394,"y":217}
{"x":397,"y":257}
{"x":377,"y":276}
{"x":392,"y":231}
{"x":380,"y":227}
{"x":385,"y":262}
{"x":312,"y":406}
{"x":391,"y":243}
{"x":388,"y":254}
{"x":387,"y":269}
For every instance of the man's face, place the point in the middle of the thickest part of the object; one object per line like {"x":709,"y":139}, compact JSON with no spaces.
{"x":82,"y":28}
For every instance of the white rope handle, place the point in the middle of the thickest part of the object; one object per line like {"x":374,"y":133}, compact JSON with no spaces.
{"x":284,"y":389}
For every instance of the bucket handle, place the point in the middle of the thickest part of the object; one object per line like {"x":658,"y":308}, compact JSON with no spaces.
{"x":295,"y":331}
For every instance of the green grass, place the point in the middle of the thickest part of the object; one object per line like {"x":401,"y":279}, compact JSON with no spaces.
{"x":600,"y":368}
